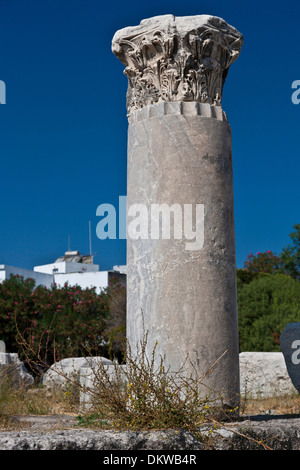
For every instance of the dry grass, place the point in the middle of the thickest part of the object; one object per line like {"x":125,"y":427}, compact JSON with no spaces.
{"x":38,"y":401}
{"x":149,"y":398}
{"x":147,"y":395}
{"x":16,"y":400}
{"x":276,"y":405}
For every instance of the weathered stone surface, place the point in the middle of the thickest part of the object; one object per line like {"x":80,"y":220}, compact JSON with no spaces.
{"x":89,"y":381}
{"x":290,"y":346}
{"x":99,"y":440}
{"x":264,"y":374}
{"x":176,"y":58}
{"x":258,"y":432}
{"x":178,"y":108}
{"x":13,"y":369}
{"x":69,"y":368}
{"x":185,"y":294}
{"x":2,"y":347}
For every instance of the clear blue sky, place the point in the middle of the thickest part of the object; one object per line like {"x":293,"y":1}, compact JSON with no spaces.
{"x":63,"y":130}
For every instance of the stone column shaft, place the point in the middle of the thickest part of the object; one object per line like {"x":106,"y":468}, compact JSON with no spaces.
{"x":179,"y":156}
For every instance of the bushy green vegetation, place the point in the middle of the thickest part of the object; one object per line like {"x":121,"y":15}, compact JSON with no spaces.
{"x":268,"y":296}
{"x":49,"y":324}
{"x":265,"y":306}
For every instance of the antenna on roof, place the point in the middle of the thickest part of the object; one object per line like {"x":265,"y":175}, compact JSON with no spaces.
{"x":69,"y":248}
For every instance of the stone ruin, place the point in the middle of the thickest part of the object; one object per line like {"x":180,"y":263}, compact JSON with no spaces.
{"x":181,"y":283}
{"x":182,"y":292}
{"x":11,"y":367}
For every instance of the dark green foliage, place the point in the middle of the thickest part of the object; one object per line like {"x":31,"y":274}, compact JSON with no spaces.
{"x":268,"y":296}
{"x":51,"y":324}
{"x":245,"y":277}
{"x":266,"y":262}
{"x":288,"y":262}
{"x":265,"y":306}
{"x":290,"y":255}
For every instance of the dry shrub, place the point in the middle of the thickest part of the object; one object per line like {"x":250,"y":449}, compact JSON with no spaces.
{"x":18,"y":399}
{"x":143,"y":394}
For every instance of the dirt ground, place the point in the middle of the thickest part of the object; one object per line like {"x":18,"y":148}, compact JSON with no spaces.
{"x":42,"y":410}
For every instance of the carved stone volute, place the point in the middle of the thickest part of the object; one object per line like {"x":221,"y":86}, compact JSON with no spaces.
{"x":171,"y":58}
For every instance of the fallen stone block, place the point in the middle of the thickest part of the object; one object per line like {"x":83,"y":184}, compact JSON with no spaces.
{"x":89,"y":380}
{"x":264,"y":374}
{"x":12,"y":369}
{"x":68,"y":369}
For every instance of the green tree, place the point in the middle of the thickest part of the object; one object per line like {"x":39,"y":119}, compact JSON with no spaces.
{"x":290,"y":255}
{"x":266,"y":262}
{"x":52,"y":324}
{"x":265,"y":306}
{"x":288,"y":262}
{"x":115,"y":327}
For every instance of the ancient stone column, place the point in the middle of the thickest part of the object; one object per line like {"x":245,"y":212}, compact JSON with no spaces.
{"x":181,"y":279}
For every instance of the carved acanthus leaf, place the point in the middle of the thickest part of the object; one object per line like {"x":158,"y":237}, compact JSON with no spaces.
{"x":171,"y":58}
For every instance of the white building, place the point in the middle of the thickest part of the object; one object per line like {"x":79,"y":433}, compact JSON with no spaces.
{"x":72,"y":268}
{"x":40,"y":279}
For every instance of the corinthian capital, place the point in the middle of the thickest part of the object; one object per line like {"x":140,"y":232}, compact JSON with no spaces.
{"x":171,"y":58}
